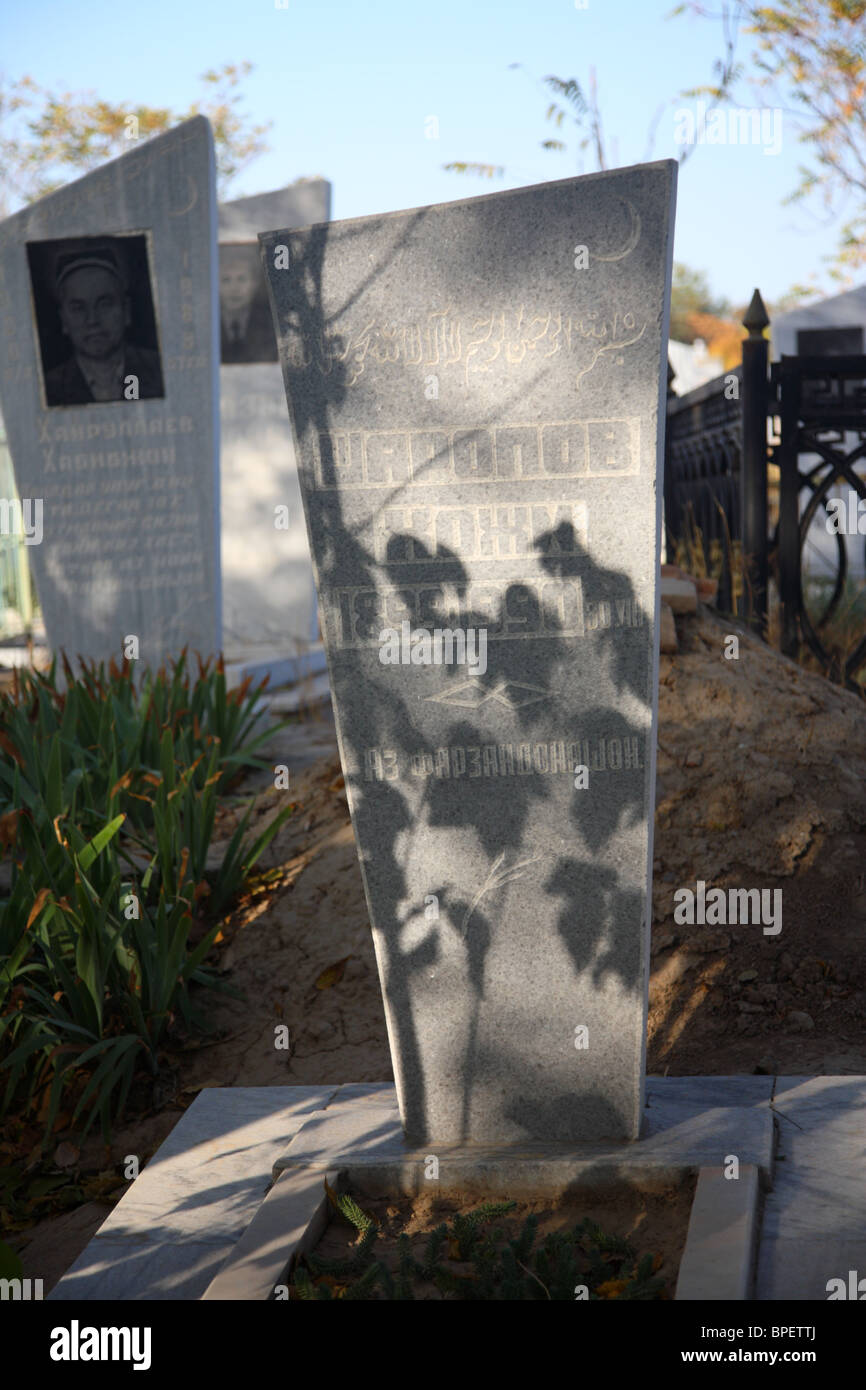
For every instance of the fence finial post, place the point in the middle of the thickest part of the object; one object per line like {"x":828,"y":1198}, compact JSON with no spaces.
{"x":756,"y":318}
{"x":753,"y":483}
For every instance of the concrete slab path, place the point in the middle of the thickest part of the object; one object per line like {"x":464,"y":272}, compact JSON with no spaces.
{"x":814,"y":1225}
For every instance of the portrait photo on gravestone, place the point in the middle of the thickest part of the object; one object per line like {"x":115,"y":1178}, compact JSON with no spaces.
{"x":95,"y":319}
{"x":246,"y":327}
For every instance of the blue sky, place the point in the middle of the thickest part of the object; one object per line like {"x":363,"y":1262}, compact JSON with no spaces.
{"x":349,"y":86}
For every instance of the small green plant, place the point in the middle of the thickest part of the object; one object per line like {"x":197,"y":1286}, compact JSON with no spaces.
{"x":469,"y":1258}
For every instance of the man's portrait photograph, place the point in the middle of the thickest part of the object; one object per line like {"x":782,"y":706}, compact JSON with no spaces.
{"x":246,"y":326}
{"x":95,"y":320}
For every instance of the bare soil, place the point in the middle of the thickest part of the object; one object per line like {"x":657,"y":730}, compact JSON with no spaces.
{"x":654,"y":1220}
{"x":761,"y":784}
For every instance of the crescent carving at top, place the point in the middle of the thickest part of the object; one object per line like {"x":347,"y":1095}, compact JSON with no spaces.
{"x":193,"y":189}
{"x":633,"y":235}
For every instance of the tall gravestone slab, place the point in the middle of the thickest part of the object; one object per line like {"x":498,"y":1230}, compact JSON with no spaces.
{"x":477,"y":393}
{"x":269,"y":597}
{"x":108,"y":382}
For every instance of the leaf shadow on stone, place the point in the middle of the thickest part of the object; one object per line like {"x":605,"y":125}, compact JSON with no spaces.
{"x":521,"y":675}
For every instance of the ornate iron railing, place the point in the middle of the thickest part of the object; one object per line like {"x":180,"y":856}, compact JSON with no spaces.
{"x":703,"y":456}
{"x":821,"y":402}
{"x":717,"y":452}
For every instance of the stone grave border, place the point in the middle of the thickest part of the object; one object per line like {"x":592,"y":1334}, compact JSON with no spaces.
{"x":690,"y":1126}
{"x":236,"y":1189}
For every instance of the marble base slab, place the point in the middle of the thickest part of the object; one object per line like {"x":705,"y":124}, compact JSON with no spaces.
{"x":187,"y":1209}
{"x":689,"y":1122}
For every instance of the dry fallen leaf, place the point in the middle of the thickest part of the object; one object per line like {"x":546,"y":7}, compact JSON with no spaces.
{"x":103,"y":1184}
{"x":332,"y":1196}
{"x":9,"y":747}
{"x":9,"y":829}
{"x":121,"y":784}
{"x":38,"y":905}
{"x":333,"y":975}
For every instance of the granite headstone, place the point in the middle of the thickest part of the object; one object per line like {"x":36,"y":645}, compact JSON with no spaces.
{"x":108,"y":382}
{"x":477,"y":394}
{"x":269,"y":597}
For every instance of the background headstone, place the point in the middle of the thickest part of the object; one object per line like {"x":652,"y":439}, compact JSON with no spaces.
{"x":845,"y":312}
{"x":128,"y":487}
{"x":477,"y":392}
{"x":269,"y":596}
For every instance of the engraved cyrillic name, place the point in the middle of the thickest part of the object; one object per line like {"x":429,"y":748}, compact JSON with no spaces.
{"x":443,"y":457}
{"x":560,"y":757}
{"x":411,"y":535}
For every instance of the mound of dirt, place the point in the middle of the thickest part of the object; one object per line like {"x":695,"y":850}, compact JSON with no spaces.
{"x":761,"y":783}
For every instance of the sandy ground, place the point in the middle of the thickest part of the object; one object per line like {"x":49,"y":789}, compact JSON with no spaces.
{"x":761,"y":784}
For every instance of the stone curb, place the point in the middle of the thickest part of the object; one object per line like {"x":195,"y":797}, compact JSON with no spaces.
{"x":290,"y":1221}
{"x":718,"y":1261}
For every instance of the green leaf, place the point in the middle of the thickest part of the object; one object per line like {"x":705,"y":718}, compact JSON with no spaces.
{"x":166,"y":760}
{"x":99,"y":841}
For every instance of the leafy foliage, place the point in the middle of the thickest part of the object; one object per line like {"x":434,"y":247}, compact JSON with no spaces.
{"x":108,"y":798}
{"x":581,"y":110}
{"x":813,"y":53}
{"x":47,"y":137}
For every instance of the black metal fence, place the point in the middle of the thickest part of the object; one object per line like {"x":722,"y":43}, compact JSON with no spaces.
{"x":703,"y":478}
{"x":717,"y":451}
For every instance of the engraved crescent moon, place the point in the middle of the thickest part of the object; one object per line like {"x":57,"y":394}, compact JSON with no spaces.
{"x":633,"y":235}
{"x":181,"y":212}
